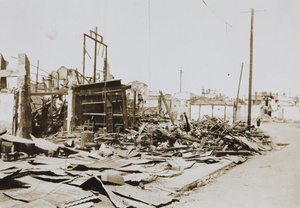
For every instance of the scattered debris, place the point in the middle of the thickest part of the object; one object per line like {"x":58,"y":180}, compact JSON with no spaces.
{"x":150,"y":165}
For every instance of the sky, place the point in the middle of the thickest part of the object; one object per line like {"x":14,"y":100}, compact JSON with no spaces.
{"x":150,"y":40}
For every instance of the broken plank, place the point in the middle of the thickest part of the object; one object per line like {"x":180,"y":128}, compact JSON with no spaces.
{"x":3,"y":131}
{"x":246,"y":142}
{"x":16,"y":139}
{"x":202,"y":143}
{"x":231,"y":152}
{"x":212,"y":133}
{"x":167,"y":107}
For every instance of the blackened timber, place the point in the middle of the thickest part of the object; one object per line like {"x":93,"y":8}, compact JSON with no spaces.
{"x":230,"y":152}
{"x":188,"y":128}
{"x":124,"y":107}
{"x":92,"y":104}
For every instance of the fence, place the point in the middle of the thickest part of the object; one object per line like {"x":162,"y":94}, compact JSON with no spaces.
{"x":226,"y":112}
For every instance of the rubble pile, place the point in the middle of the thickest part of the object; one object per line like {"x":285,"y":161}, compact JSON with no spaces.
{"x":150,"y":165}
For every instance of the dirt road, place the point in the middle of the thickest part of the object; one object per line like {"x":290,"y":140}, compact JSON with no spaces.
{"x":272,"y":180}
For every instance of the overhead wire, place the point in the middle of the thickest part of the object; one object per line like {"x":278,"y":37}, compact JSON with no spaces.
{"x":226,"y":22}
{"x":34,"y":66}
{"x":39,"y":74}
{"x":244,"y":34}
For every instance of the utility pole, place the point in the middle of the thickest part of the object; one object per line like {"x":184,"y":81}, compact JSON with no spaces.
{"x":250,"y":71}
{"x":180,"y":79}
{"x":37,"y":76}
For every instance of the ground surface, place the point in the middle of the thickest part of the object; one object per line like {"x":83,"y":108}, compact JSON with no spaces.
{"x":272,"y":180}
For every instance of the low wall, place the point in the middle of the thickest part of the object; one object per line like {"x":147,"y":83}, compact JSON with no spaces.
{"x":289,"y":113}
{"x":219,"y":111}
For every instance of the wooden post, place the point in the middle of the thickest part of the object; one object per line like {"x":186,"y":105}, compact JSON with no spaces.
{"x":58,"y":78}
{"x":212,"y":110}
{"x":83,"y":61}
{"x":159,"y":105}
{"x":37,"y":76}
{"x":105,"y":71}
{"x":134,"y":104}
{"x":166,"y":105}
{"x":234,"y":113}
{"x":235,"y":106}
{"x":95,"y":56}
{"x":71,"y":110}
{"x":124,"y":108}
{"x":24,"y":129}
{"x":200,"y":112}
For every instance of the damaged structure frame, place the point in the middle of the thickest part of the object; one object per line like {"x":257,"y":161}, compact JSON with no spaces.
{"x":95,"y":105}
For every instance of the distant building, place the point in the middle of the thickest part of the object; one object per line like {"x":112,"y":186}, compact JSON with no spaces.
{"x":209,"y":93}
{"x":59,"y":79}
{"x":181,"y":103}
